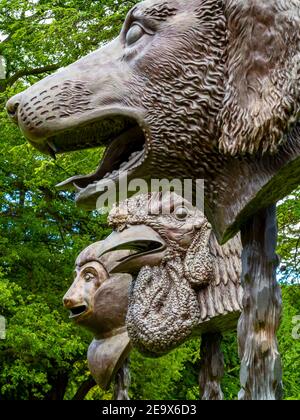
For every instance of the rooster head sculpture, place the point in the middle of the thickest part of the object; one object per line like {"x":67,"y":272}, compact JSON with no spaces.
{"x":184,"y":282}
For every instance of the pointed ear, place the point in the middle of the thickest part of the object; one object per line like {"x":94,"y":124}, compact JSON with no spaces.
{"x":263,"y":68}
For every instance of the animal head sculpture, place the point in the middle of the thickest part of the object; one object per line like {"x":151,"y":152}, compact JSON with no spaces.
{"x":198,"y":88}
{"x":98,"y":301}
{"x":185,"y":283}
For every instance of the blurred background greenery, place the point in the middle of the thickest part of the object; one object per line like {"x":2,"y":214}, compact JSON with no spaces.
{"x":41,"y":232}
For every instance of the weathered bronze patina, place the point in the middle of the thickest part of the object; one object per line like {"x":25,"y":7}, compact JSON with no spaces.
{"x":199,"y":88}
{"x":98,"y":301}
{"x":193,"y":89}
{"x":185,"y":284}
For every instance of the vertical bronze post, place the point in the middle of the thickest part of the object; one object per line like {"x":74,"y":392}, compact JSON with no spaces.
{"x":211,"y":367}
{"x":261,"y":375}
{"x":122,"y":382}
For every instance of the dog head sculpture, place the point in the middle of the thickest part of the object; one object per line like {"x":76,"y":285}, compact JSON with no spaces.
{"x":98,"y":301}
{"x":198,"y":88}
{"x":184,"y":284}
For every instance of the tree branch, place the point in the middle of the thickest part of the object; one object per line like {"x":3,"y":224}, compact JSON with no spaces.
{"x":30,"y":72}
{"x":84,"y":388}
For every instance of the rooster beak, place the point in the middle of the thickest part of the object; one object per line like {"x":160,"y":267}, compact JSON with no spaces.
{"x":146,"y":245}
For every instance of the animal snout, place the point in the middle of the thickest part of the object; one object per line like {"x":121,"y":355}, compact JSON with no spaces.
{"x":52,"y":101}
{"x":12,"y":108}
{"x":76,"y":304}
{"x":71,"y":301}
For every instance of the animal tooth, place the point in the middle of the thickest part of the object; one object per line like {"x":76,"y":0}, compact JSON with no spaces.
{"x":78,"y":189}
{"x":52,"y":149}
{"x":52,"y":146}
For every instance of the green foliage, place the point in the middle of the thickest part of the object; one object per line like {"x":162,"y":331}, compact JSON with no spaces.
{"x":289,"y":237}
{"x":46,"y":32}
{"x":168,"y":377}
{"x":288,"y":344}
{"x":41,"y":231}
{"x":39,"y":347}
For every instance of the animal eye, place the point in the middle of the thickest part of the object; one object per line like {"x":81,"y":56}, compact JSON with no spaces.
{"x":134,"y":34}
{"x":181,"y":213}
{"x":88,"y":277}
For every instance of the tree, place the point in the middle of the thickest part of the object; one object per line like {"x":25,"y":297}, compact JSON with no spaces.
{"x":41,"y":231}
{"x":41,"y":36}
{"x":289,"y":238}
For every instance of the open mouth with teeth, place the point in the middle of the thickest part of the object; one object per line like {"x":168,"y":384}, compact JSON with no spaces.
{"x":78,"y":311}
{"x":123,"y":135}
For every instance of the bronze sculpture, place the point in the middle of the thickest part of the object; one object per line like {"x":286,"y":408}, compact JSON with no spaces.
{"x":185,"y":284}
{"x":190,"y":288}
{"x":223,"y":77}
{"x":98,"y":301}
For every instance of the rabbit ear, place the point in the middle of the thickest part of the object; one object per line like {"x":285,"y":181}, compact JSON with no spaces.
{"x":198,"y":263}
{"x":263,"y":67}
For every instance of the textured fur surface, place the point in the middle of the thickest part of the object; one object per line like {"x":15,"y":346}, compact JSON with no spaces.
{"x":233,"y":73}
{"x":229,"y":67}
{"x":208,"y":90}
{"x":263,"y":66}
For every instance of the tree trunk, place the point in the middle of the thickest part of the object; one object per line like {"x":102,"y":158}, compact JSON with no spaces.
{"x":211,"y":367}
{"x":122,"y":382}
{"x":59,"y":385}
{"x":261,"y":376}
{"x":84,"y":388}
